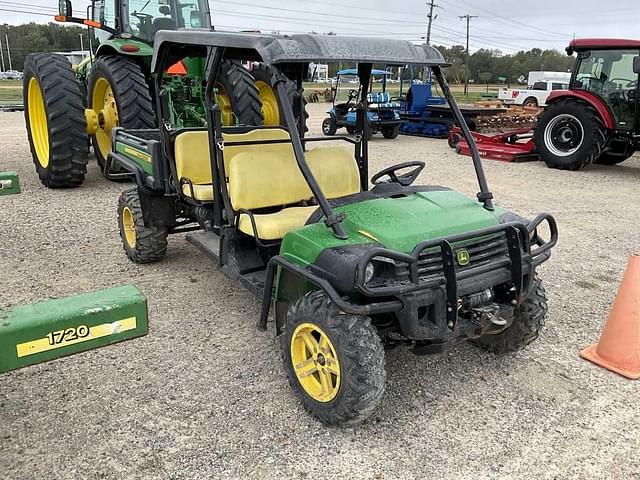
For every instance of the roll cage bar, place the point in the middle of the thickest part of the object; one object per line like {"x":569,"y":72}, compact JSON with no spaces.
{"x":290,"y":56}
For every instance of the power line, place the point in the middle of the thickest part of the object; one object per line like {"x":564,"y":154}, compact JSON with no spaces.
{"x":466,"y":63}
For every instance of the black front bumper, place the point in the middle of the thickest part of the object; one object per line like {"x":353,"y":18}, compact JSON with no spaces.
{"x":441,"y":291}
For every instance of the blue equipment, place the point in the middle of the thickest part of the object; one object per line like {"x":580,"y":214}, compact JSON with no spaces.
{"x":382,"y":113}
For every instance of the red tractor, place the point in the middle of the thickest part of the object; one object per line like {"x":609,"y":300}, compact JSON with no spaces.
{"x":598,"y":119}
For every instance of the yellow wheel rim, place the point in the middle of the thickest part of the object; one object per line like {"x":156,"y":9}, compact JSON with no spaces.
{"x":224,"y":102}
{"x":129,"y":227}
{"x":38,"y":122}
{"x":315,"y":362}
{"x":270,"y":107}
{"x":106,"y":108}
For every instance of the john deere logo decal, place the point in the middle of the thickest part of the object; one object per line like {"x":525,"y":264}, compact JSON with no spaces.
{"x":463,"y":257}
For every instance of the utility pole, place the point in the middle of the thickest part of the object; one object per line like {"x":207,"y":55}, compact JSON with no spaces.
{"x":6,"y":36}
{"x":466,"y":67}
{"x":430,"y":18}
{"x":1,"y":56}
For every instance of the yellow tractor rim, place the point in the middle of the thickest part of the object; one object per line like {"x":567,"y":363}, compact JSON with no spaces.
{"x":315,"y":362}
{"x":38,"y":122}
{"x":270,"y":107}
{"x":129,"y":227}
{"x":104,"y":104}
{"x":224,"y":102}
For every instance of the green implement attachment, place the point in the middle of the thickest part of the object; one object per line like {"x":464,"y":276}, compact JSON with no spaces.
{"x":9,"y":183}
{"x":43,"y":331}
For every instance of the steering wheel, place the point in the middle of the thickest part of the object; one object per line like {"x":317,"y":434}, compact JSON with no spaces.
{"x":141,"y":16}
{"x":405,"y":180}
{"x":353,"y":94}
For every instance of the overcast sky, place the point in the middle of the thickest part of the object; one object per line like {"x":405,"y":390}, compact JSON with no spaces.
{"x":499,"y":23}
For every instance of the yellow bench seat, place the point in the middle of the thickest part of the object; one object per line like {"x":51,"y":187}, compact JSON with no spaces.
{"x":274,"y":226}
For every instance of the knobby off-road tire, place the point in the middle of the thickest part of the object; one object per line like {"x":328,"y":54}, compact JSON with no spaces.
{"x":269,"y":96}
{"x":358,"y":352}
{"x":141,"y":244}
{"x":570,"y":135}
{"x":238,"y":96}
{"x":527,"y":323}
{"x":117,"y":87}
{"x":56,"y":126}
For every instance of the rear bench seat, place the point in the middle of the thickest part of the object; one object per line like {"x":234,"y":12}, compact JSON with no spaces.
{"x":266,"y":177}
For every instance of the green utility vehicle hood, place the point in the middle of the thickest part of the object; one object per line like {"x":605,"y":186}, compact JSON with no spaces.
{"x":395,"y":223}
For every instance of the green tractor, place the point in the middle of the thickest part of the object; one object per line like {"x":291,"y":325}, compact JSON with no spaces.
{"x":350,"y":270}
{"x":67,"y":106}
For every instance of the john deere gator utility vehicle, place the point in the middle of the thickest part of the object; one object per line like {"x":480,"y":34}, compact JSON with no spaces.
{"x":65,"y":106}
{"x":598,"y":119}
{"x":349,"y":269}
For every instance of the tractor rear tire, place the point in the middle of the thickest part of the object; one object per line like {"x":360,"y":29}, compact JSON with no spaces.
{"x":270,"y":107}
{"x":56,"y":125}
{"x":238,"y":96}
{"x":391,"y":132}
{"x":526,"y":326}
{"x":345,"y":378}
{"x":141,"y":244}
{"x":570,"y":135}
{"x":119,"y":94}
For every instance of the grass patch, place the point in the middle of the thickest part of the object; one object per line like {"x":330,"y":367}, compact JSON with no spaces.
{"x":10,"y":91}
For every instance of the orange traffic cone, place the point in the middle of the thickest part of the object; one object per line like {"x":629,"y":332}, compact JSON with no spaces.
{"x":619,"y":347}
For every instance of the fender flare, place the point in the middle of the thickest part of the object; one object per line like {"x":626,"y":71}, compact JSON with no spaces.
{"x":589,"y":98}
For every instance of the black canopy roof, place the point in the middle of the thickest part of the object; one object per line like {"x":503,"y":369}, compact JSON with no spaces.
{"x":303,"y":48}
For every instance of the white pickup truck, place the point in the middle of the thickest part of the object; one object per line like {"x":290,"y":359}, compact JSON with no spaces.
{"x":534,"y":96}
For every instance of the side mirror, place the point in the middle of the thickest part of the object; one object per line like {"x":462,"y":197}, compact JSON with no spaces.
{"x":636,"y":64}
{"x":64,"y":8}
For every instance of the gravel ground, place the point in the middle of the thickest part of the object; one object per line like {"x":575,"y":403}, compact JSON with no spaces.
{"x":204,"y":394}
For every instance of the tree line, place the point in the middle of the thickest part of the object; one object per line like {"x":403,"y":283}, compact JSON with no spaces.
{"x":485,"y":65}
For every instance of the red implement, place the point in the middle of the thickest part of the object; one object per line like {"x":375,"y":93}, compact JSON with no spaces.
{"x":514,"y":146}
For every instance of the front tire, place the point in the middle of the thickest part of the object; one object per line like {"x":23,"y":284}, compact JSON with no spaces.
{"x":526,"y":326}
{"x":329,"y":126}
{"x":56,"y":125}
{"x":334,"y":361}
{"x":141,"y":244}
{"x":119,"y":94}
{"x":569,"y":135}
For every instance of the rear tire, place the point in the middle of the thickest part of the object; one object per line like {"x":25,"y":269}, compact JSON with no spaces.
{"x":569,"y":135}
{"x":238,"y":96}
{"x":141,"y":244}
{"x":56,"y":125}
{"x":530,"y":102}
{"x":119,"y":94}
{"x":391,"y":132}
{"x":269,"y":97}
{"x":351,"y":346}
{"x":527,"y":323}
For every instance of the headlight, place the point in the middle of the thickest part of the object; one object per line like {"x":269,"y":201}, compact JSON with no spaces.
{"x":368,"y":273}
{"x":379,"y":269}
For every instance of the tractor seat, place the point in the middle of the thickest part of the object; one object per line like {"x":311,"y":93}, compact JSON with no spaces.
{"x":267,"y":180}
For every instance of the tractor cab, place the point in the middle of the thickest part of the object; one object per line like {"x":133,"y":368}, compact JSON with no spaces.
{"x":347,"y":263}
{"x":382,"y":112}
